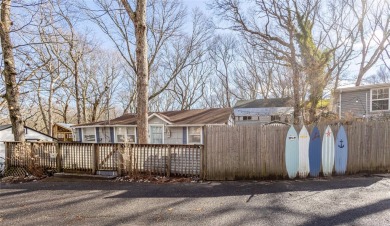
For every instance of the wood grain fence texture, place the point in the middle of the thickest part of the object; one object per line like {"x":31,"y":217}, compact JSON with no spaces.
{"x":229,"y":153}
{"x":252,"y":152}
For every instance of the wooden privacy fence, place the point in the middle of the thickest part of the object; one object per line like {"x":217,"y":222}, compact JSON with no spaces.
{"x":183,"y":160}
{"x":229,"y":153}
{"x":249,"y":152}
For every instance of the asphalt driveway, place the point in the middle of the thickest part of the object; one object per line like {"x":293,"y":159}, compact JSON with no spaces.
{"x":355,"y":200}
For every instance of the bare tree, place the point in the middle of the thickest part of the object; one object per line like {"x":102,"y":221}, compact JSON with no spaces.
{"x":382,"y":75}
{"x":189,"y":85}
{"x":373,"y":23}
{"x":138,"y":17}
{"x":276,"y":36}
{"x":12,"y":88}
{"x":223,"y":56}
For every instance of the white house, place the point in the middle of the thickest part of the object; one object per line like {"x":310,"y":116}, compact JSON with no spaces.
{"x":170,"y":127}
{"x":262,"y":111}
{"x":30,"y":134}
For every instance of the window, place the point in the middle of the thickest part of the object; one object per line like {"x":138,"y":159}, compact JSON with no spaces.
{"x":125,"y":134}
{"x":247,"y":118}
{"x":195,"y":135}
{"x":156,"y":134}
{"x":275,"y":118}
{"x":89,"y":135}
{"x":120,"y":134}
{"x":130,"y":134}
{"x":76,"y":135}
{"x":380,"y":99}
{"x":104,"y":135}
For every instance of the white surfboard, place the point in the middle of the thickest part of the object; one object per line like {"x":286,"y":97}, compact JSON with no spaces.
{"x":304,"y":139}
{"x":327,"y":152}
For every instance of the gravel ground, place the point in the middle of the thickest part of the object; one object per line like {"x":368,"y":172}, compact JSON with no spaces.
{"x":358,"y":200}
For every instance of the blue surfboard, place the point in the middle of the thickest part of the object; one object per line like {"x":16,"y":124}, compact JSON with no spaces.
{"x":315,"y":152}
{"x":292,"y":153}
{"x":341,"y":151}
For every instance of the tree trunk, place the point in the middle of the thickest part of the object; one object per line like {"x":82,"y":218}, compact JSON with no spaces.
{"x":139,"y":19}
{"x":142,"y":71}
{"x":77,"y":94}
{"x":12,"y":88}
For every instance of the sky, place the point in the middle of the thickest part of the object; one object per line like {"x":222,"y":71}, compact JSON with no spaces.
{"x":202,"y":5}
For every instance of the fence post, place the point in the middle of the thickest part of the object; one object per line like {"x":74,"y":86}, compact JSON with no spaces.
{"x":202,"y":173}
{"x":7,"y":155}
{"x":95,"y":158}
{"x":130,"y":163}
{"x":119,"y":159}
{"x":169,"y":161}
{"x":203,"y":154}
{"x":59,"y":157}
{"x":33,"y":161}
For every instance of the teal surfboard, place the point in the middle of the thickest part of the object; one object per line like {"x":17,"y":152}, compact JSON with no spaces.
{"x":341,"y":151}
{"x":292,"y":153}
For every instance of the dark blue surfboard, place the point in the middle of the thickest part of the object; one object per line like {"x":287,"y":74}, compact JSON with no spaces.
{"x":341,"y":151}
{"x":315,"y":152}
{"x":292,"y":153}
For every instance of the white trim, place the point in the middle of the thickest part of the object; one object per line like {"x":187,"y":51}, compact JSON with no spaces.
{"x":388,"y":100}
{"x":150,"y":132}
{"x":201,"y":135}
{"x":355,"y":88}
{"x":96,"y":140}
{"x":186,"y":125}
{"x":89,"y":126}
{"x":155,"y":114}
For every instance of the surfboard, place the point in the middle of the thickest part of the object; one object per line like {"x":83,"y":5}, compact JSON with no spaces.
{"x":315,"y":152}
{"x":304,"y":140}
{"x":291,"y":153}
{"x":327,"y":152}
{"x":341,"y":152}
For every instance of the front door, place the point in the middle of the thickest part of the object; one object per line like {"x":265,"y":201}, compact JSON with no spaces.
{"x":156,"y":134}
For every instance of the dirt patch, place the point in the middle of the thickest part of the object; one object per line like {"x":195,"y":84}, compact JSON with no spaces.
{"x":21,"y":179}
{"x":157,"y":179}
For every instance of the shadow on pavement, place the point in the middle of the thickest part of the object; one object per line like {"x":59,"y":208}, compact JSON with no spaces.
{"x":192,"y":190}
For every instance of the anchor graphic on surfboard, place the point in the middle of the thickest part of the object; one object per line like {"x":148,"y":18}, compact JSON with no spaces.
{"x":341,"y":145}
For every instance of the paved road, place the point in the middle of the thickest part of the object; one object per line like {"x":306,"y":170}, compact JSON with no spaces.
{"x":337,"y":201}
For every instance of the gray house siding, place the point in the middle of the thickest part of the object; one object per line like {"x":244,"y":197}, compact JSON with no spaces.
{"x":156,"y":120}
{"x":354,"y":103}
{"x":357,"y":103}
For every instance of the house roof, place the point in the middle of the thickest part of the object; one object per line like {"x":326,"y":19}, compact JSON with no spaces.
{"x":364,"y":87}
{"x":3,"y":127}
{"x":264,"y":103}
{"x":183,"y":117}
{"x":64,"y":125}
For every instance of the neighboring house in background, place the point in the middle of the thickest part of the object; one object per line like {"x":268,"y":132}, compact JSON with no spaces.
{"x":262,"y":111}
{"x":171,"y":127}
{"x":363,"y":101}
{"x":30,"y":134}
{"x":63,"y":132}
